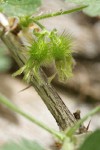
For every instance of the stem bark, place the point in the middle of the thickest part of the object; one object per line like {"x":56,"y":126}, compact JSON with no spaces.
{"x":54,"y":103}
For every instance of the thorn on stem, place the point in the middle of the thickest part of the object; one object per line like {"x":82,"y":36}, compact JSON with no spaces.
{"x":25,"y":88}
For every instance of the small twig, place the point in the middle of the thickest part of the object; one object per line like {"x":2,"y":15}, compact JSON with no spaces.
{"x":61,"y":12}
{"x":39,"y":24}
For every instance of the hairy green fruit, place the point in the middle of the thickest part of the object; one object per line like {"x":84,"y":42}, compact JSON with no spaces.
{"x":48,"y":47}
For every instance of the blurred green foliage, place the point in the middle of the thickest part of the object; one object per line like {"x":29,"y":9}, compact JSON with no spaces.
{"x":22,"y":145}
{"x":92,"y":142}
{"x":93,"y":8}
{"x":19,"y":7}
{"x":5,"y":61}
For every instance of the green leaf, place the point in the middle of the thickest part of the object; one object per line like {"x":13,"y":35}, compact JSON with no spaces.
{"x":19,"y":7}
{"x":93,"y":8}
{"x":24,"y":144}
{"x":92,"y":142}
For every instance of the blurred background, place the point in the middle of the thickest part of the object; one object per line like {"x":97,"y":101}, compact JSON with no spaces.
{"x":81,"y":92}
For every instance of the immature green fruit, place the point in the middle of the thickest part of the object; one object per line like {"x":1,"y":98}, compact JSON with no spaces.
{"x":62,"y":54}
{"x":39,"y":51}
{"x":48,"y":47}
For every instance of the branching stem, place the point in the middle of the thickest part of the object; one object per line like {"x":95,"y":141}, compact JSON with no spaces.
{"x":61,"y":12}
{"x":54,"y":103}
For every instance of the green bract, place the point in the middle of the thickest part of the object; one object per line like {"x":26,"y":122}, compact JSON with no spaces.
{"x":25,"y":21}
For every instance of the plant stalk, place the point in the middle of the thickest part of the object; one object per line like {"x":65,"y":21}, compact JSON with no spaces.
{"x":61,"y":12}
{"x":54,"y":103}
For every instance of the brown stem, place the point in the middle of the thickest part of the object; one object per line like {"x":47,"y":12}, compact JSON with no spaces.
{"x":54,"y":103}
